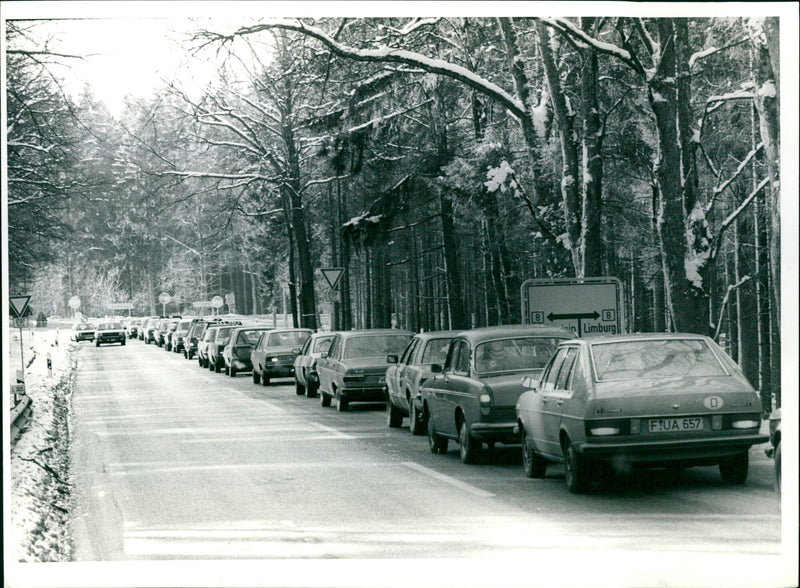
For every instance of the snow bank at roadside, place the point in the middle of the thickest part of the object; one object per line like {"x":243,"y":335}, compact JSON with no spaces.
{"x":39,"y":491}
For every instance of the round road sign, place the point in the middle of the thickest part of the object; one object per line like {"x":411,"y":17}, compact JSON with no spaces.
{"x":164,"y":298}
{"x":217,"y":301}
{"x":74,"y":302}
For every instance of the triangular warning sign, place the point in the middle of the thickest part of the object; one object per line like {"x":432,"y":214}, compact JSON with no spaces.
{"x":19,"y":304}
{"x":332,"y":275}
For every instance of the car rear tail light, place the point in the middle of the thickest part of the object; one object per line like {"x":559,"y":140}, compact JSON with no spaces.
{"x":744,"y":424}
{"x":609,"y":427}
{"x":604,"y":431}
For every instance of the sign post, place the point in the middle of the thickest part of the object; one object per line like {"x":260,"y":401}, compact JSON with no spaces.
{"x":164,"y":299}
{"x":216,"y":303}
{"x":19,"y":305}
{"x":332,"y":275}
{"x":588,"y":306}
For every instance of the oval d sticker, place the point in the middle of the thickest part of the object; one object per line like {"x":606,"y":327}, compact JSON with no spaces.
{"x":712,"y":402}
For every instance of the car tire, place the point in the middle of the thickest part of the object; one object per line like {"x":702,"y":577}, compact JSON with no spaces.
{"x":97,"y":343}
{"x":416,"y":423}
{"x":395,"y":418}
{"x":256,"y":377}
{"x":311,"y":390}
{"x":532,"y":462}
{"x":299,"y":389}
{"x":224,"y":369}
{"x":436,"y":442}
{"x":232,"y":372}
{"x":577,"y":477}
{"x":123,"y":341}
{"x":469,"y":448}
{"x":341,"y":404}
{"x":264,"y":380}
{"x":778,"y":467}
{"x":324,"y":399}
{"x":733,"y":470}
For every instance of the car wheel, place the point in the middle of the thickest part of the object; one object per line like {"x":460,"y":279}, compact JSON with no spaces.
{"x":532,"y":462}
{"x":264,"y":380}
{"x":778,"y":467}
{"x":395,"y":418}
{"x":311,"y":390}
{"x":436,"y":442}
{"x":341,"y":404}
{"x":217,"y":367}
{"x":256,"y":377}
{"x":232,"y":372}
{"x":324,"y":399}
{"x":469,"y":448}
{"x":123,"y":341}
{"x":97,"y":343}
{"x":299,"y":388}
{"x":224,"y":368}
{"x":733,"y":470}
{"x":576,"y":470}
{"x":415,"y":422}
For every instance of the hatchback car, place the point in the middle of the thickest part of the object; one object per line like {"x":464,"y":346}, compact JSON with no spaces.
{"x":82,"y":332}
{"x":109,"y":333}
{"x":274,"y":354}
{"x":306,"y":380}
{"x":473,"y":399}
{"x":354,"y":367}
{"x":149,"y":326}
{"x":194,"y":336}
{"x":132,"y":327}
{"x":236,"y":353}
{"x":649,"y":400}
{"x":216,"y":345}
{"x":179,"y":335}
{"x":408,"y":372}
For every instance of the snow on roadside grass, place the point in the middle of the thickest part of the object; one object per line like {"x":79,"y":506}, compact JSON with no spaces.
{"x":39,"y":489}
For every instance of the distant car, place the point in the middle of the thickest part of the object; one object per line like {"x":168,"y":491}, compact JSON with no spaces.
{"x":408,"y":372}
{"x":236,"y":353}
{"x":195,"y":334}
{"x":179,"y":334}
{"x":132,"y":327}
{"x":274,"y":354}
{"x":473,"y":397}
{"x":306,"y":380}
{"x":148,"y":329}
{"x":648,"y":400}
{"x":109,"y":333}
{"x":165,"y":336}
{"x":354,"y":367}
{"x":216,"y":345}
{"x":202,"y":345}
{"x":774,"y":450}
{"x":82,"y":332}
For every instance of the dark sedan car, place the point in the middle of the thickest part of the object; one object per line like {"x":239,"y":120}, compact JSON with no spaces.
{"x":474,"y":397}
{"x":109,"y":333}
{"x":274,"y":354}
{"x":616,"y":402}
{"x":236,"y":354}
{"x":306,"y":380}
{"x":216,"y":345}
{"x":408,"y":372}
{"x":354,"y":367}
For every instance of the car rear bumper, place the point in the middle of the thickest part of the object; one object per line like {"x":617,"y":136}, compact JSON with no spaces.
{"x":495,"y":431}
{"x":279,"y":371}
{"x":673,"y":449}
{"x":364,"y":394}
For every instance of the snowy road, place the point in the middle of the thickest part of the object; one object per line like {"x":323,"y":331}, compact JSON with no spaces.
{"x":172,"y":461}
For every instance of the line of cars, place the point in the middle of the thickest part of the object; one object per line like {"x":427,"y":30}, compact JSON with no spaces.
{"x":599,"y":405}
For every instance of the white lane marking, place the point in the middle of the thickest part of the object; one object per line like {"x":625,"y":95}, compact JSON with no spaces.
{"x":336,"y":432}
{"x":239,"y":466}
{"x":448,"y":480}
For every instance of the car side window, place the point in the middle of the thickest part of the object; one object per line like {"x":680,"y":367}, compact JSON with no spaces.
{"x":461,"y":366}
{"x":551,"y":374}
{"x":306,"y":345}
{"x":452,"y":356}
{"x":334,"y":348}
{"x":404,"y":359}
{"x":566,"y":368}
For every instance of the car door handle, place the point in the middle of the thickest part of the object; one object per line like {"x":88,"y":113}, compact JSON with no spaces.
{"x":544,"y":400}
{"x":559,"y":402}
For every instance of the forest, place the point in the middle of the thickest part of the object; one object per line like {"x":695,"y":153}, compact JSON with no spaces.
{"x":440,"y":162}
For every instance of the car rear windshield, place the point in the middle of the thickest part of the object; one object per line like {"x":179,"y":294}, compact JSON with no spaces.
{"x":288,"y":338}
{"x":224,"y":334}
{"x":110,"y":327}
{"x":435,"y":351}
{"x":248,"y":337}
{"x":659,"y":358}
{"x":375,"y":346}
{"x":519,"y":353}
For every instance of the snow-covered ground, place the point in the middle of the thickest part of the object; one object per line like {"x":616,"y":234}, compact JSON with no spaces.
{"x":37,"y":485}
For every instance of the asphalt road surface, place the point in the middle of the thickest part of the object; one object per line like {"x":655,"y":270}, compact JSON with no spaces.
{"x":175,"y":462}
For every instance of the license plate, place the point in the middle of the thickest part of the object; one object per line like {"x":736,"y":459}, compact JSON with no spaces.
{"x":680,"y":424}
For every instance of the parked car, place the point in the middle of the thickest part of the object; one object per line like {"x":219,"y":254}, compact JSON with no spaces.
{"x":648,"y":400}
{"x":109,"y":333}
{"x":306,"y":380}
{"x":774,"y":450}
{"x":354,"y":367}
{"x":408,"y":372}
{"x":472,"y":398}
{"x":236,"y":353}
{"x":149,"y":328}
{"x":215,"y":346}
{"x":132,"y":327}
{"x":82,"y":332}
{"x":166,"y":336}
{"x":274,"y":354}
{"x":178,"y":336}
{"x":202,"y":345}
{"x":194,"y":336}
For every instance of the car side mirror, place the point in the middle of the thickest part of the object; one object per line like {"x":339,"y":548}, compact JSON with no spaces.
{"x":296,"y":351}
{"x":436,"y":368}
{"x":323,"y":355}
{"x":391,"y":359}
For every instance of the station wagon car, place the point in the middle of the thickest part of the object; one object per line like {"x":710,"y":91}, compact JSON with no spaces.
{"x":109,"y":333}
{"x":274,"y":354}
{"x":236,"y":354}
{"x":623,"y":401}
{"x":408,"y":372}
{"x":473,"y":399}
{"x":306,"y":380}
{"x":354,"y":367}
